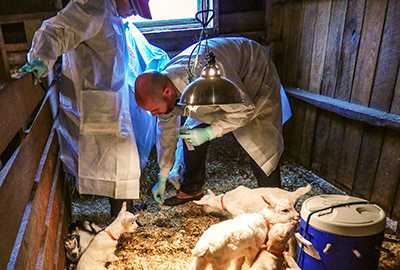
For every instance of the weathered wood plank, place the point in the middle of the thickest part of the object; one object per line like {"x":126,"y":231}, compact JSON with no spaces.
{"x":349,"y":54}
{"x":26,"y":16}
{"x":274,"y":32}
{"x":362,"y":88}
{"x":326,"y":82}
{"x":320,"y":37}
{"x":320,"y":45}
{"x":14,"y":47}
{"x":294,"y":20}
{"x":396,"y":109}
{"x":370,"y":149}
{"x":333,"y":48}
{"x":18,"y":99}
{"x":387,"y":184}
{"x":328,"y":88}
{"x":350,"y":45}
{"x":388,"y":61}
{"x":230,"y":6}
{"x":382,"y":93}
{"x":388,"y":175}
{"x":286,"y":44}
{"x":268,"y":17}
{"x":333,"y":149}
{"x":62,"y":231}
{"x":29,"y":250}
{"x":349,"y":110}
{"x":298,"y":145}
{"x":242,"y":21}
{"x":16,"y":187}
{"x":53,"y":217}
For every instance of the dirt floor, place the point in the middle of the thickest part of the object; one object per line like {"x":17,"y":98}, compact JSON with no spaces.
{"x":167,"y":235}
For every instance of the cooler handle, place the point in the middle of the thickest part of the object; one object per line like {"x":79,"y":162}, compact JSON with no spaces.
{"x":307,"y":246}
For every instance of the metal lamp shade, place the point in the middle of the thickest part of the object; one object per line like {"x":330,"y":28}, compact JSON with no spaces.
{"x":211,"y":89}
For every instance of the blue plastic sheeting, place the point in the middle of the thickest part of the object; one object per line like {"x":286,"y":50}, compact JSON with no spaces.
{"x":142,"y":56}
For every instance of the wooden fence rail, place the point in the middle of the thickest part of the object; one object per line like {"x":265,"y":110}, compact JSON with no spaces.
{"x":31,"y":186}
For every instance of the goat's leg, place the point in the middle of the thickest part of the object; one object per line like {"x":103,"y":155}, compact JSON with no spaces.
{"x":292,"y":243}
{"x":220,"y":265}
{"x":238,"y":263}
{"x":198,"y":263}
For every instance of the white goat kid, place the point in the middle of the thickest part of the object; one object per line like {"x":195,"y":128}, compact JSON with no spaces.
{"x":246,"y":200}
{"x":239,"y":239}
{"x":102,"y":247}
{"x":270,"y":257}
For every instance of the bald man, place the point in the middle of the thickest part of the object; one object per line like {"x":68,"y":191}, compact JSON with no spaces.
{"x":256,"y":124}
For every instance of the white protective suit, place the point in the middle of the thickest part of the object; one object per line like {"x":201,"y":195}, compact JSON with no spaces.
{"x":257,"y":124}
{"x":94,"y":96}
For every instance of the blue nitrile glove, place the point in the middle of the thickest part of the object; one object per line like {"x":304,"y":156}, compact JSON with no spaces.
{"x":37,"y":67}
{"x":197,"y":136}
{"x":158,"y":189}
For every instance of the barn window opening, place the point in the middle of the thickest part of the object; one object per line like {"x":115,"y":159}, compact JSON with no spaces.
{"x":172,"y":15}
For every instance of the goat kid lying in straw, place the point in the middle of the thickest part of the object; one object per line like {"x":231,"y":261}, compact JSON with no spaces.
{"x":237,"y":240}
{"x":101,"y":248}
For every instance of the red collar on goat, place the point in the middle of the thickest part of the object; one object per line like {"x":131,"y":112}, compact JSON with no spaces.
{"x":111,"y":235}
{"x":222,"y":202}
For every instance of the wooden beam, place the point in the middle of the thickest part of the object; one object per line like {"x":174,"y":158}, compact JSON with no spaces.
{"x":27,"y":16}
{"x":241,"y":21}
{"x":14,"y":47}
{"x":348,"y":110}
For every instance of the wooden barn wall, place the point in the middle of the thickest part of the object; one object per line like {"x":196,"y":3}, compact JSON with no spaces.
{"x":347,"y":50}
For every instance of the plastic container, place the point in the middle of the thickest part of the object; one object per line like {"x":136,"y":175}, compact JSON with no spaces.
{"x":340,"y":232}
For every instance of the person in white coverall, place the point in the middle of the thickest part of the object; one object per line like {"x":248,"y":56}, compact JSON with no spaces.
{"x":256,"y":124}
{"x":94,"y":124}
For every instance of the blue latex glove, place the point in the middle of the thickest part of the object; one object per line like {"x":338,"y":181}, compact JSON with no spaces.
{"x":158,"y":189}
{"x":37,"y":67}
{"x":197,"y":136}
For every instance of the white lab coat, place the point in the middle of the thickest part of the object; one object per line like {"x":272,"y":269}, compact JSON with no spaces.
{"x":257,"y":124}
{"x":94,"y":97}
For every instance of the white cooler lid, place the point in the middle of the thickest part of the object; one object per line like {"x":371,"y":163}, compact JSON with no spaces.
{"x":353,"y":220}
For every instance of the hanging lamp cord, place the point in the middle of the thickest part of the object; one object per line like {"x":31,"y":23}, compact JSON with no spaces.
{"x":202,"y":17}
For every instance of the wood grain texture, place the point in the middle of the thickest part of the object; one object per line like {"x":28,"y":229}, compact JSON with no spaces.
{"x":350,"y":46}
{"x":53,"y":218}
{"x":16,"y":187}
{"x":313,"y":119}
{"x":304,"y":130}
{"x":387,"y":184}
{"x":371,"y":140}
{"x":382,"y":93}
{"x":322,"y":148}
{"x":34,"y":233}
{"x":18,"y":99}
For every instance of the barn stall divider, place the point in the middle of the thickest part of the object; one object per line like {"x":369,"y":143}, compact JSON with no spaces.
{"x":32,"y":198}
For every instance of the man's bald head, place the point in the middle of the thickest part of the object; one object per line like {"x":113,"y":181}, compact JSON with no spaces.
{"x":154,"y":92}
{"x":149,"y":85}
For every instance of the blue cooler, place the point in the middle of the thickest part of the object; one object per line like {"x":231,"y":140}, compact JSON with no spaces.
{"x":339,"y":232}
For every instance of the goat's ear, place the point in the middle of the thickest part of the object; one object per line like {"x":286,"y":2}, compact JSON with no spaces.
{"x":301,"y":191}
{"x":123,"y":208}
{"x":268,"y":201}
{"x":210,"y":192}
